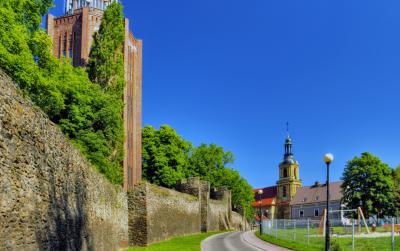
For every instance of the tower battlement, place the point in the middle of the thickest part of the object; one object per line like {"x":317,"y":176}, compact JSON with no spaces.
{"x":70,"y":6}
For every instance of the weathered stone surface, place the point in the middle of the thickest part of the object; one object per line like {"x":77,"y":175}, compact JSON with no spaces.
{"x":157,"y":213}
{"x":51,"y":198}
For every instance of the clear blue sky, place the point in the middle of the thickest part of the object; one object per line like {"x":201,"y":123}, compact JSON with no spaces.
{"x":232,"y":72}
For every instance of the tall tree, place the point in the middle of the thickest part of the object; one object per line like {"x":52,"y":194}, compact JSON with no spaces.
{"x":29,"y":12}
{"x":209,"y":162}
{"x":165,"y":156}
{"x":106,"y":59}
{"x":367,"y":180}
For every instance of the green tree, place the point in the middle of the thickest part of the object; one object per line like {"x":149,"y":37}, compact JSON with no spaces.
{"x":165,"y":156}
{"x":209,"y":163}
{"x":368,"y":180}
{"x":106,"y":59}
{"x":28,"y":12}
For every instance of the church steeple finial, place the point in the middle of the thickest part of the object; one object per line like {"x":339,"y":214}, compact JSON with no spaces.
{"x":288,"y":143}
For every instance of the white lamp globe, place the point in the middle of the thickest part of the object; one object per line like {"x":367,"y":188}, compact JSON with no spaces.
{"x":260,"y":191}
{"x":328,"y":158}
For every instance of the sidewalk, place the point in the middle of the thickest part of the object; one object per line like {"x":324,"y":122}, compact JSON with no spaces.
{"x":253,"y":240}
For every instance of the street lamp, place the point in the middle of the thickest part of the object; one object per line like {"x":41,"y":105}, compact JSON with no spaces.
{"x":328,"y":158}
{"x":260,"y":192}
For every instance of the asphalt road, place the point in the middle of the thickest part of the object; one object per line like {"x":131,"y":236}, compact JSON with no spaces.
{"x":232,"y":241}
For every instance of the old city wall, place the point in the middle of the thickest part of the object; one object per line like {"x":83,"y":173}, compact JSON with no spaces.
{"x":51,"y":198}
{"x":219,"y":209}
{"x":156,"y":213}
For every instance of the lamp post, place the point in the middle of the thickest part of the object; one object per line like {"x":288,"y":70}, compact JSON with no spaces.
{"x":260,"y":192}
{"x":328,"y":158}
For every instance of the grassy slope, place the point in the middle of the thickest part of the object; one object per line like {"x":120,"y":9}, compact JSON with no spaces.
{"x":186,"y":243}
{"x":381,"y":243}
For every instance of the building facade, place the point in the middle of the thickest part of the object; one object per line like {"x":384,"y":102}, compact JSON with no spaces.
{"x":288,"y":182}
{"x":72,"y":37}
{"x":275,"y":200}
{"x":289,"y":200}
{"x":310,"y":201}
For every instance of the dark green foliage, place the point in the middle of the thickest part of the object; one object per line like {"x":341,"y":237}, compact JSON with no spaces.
{"x":89,"y":116}
{"x":28,"y":12}
{"x":368,"y":180}
{"x":211,"y":163}
{"x":167,"y":158}
{"x":106,"y":60}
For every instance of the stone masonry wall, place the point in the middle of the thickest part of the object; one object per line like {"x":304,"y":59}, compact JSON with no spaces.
{"x":51,"y":198}
{"x":239,"y":222}
{"x":218,"y":216}
{"x":160,"y":213}
{"x":157,"y":213}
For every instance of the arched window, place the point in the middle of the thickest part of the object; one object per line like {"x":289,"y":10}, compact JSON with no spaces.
{"x":295,"y":172}
{"x":285,"y":173}
{"x":284,"y":191}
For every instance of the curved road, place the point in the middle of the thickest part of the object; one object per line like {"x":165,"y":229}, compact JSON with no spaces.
{"x":232,"y":241}
{"x":237,"y":241}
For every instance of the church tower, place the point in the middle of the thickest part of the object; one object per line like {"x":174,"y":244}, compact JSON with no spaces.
{"x":288,"y":182}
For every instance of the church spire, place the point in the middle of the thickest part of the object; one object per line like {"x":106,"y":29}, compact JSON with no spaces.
{"x":288,"y":157}
{"x":288,"y":142}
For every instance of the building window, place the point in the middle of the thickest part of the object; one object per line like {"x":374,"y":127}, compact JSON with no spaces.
{"x":316,"y":212}
{"x":301,"y":213}
{"x":317,"y":198}
{"x":285,"y":173}
{"x":295,"y":173}
{"x":284,"y":191}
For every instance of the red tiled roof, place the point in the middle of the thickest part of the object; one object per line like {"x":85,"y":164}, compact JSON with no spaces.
{"x":264,"y":202}
{"x":268,"y":192}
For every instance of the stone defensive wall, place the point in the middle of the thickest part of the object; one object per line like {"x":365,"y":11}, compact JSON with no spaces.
{"x":51,"y":198}
{"x":157,"y":213}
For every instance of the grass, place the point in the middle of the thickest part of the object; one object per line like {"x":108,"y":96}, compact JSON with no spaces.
{"x":317,"y":243}
{"x":185,"y":243}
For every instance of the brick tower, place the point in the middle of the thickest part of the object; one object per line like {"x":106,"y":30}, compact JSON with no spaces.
{"x":72,"y":36}
{"x":288,"y":182}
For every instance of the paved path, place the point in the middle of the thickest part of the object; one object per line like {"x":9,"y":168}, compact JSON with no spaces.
{"x":237,"y":241}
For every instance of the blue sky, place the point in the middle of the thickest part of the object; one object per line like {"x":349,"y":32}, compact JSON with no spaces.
{"x":233,"y":72}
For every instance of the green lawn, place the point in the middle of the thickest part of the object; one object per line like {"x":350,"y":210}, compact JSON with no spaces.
{"x":186,"y":243}
{"x":317,"y":243}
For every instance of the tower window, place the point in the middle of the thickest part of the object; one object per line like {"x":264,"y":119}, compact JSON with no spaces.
{"x":284,"y":192}
{"x":285,"y":173}
{"x":316,"y":212}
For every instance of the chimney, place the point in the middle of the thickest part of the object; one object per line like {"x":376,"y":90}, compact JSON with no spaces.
{"x":317,"y":184}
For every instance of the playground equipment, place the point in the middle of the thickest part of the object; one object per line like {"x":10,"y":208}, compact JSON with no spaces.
{"x":360,"y":216}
